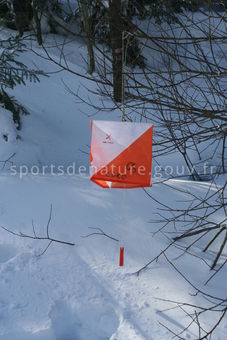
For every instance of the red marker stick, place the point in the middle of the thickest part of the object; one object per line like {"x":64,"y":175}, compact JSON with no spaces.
{"x":121,"y":259}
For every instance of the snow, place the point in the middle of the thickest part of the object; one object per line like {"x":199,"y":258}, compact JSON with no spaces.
{"x":7,"y":127}
{"x":79,"y":292}
{"x":7,"y":135}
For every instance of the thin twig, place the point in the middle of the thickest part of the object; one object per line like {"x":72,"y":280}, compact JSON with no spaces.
{"x":101,"y":233}
{"x":8,"y":160}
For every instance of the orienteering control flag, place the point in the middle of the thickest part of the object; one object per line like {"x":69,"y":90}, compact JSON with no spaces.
{"x":121,"y":154}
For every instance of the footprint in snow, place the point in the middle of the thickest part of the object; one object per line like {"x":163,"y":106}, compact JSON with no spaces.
{"x":93,"y":322}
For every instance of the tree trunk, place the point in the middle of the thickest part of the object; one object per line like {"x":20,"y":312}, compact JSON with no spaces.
{"x":23,"y":15}
{"x":88,"y":33}
{"x":116,"y":27}
{"x":38,"y":26}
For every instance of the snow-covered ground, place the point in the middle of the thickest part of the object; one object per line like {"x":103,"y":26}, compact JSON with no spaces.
{"x":79,"y":292}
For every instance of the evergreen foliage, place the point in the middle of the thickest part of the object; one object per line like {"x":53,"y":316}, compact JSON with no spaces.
{"x":13,"y":72}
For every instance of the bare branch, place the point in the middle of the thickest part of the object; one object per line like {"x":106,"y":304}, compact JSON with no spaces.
{"x":100,"y":232}
{"x":35,"y":237}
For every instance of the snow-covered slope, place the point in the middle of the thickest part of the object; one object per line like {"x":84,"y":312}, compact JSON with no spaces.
{"x":80,"y":292}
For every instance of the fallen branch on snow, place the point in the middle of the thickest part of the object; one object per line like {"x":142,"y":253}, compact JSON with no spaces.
{"x":47,"y":237}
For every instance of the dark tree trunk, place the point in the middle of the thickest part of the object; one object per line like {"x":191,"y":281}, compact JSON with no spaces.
{"x":23,"y":15}
{"x":37,"y":13}
{"x":88,"y":33}
{"x":116,"y":27}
